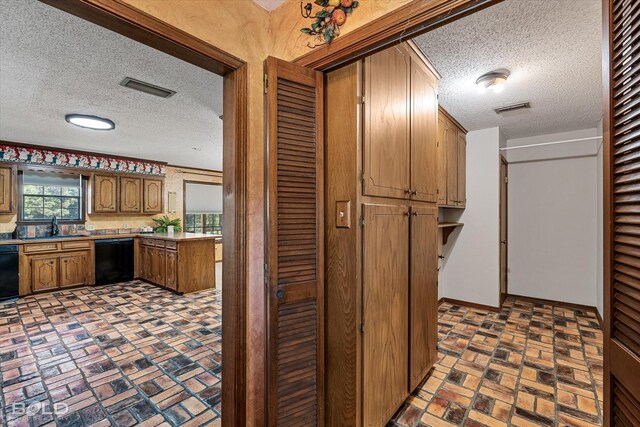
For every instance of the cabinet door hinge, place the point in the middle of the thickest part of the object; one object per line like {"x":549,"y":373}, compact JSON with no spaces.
{"x":362,"y":177}
{"x":266,"y":83}
{"x":362,"y":328}
{"x":362,"y":222}
{"x":266,"y":274}
{"x":360,"y":99}
{"x":506,"y":179}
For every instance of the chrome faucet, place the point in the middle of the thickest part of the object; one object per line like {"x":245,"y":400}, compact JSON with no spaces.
{"x":54,"y":226}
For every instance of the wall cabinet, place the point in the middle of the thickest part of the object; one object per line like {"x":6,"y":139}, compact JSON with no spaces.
{"x":105,"y":194}
{"x":55,"y":265}
{"x":130,"y":194}
{"x":7,"y":189}
{"x":400,"y":125}
{"x":185,"y":266}
{"x":381,"y":298}
{"x":452,"y":156}
{"x":152,"y":196}
{"x":113,"y":194}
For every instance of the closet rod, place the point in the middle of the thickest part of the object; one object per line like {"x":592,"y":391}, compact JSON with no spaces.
{"x":551,"y":143}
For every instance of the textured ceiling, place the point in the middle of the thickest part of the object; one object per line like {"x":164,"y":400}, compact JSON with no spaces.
{"x":53,"y":63}
{"x":270,"y":4}
{"x":551,"y":47}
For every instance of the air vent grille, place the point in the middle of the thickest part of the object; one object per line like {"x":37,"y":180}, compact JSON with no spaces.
{"x":147,"y":87}
{"x":512,"y":107}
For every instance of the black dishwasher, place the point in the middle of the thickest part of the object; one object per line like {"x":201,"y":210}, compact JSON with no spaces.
{"x":114,"y":261}
{"x":8,"y":272}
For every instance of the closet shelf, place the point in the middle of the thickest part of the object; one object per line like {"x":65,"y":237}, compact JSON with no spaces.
{"x":447,"y":229}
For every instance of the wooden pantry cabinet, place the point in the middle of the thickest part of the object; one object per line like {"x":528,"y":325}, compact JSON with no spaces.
{"x":380,"y":234}
{"x":452,"y":161}
{"x":184,"y":266}
{"x":126,"y":194}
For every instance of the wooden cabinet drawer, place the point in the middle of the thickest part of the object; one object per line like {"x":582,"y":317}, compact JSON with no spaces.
{"x":40,"y":247}
{"x":146,"y":242}
{"x":172,"y":245}
{"x":76,"y":245}
{"x":159,"y":243}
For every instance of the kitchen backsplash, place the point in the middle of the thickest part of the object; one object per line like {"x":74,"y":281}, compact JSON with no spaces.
{"x":33,"y":231}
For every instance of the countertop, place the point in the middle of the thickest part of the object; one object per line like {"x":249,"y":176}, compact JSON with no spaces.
{"x":175,"y":237}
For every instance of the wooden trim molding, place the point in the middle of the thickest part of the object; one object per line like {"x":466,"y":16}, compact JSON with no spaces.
{"x":408,"y":21}
{"x":468,"y":304}
{"x":135,"y":24}
{"x":451,"y":118}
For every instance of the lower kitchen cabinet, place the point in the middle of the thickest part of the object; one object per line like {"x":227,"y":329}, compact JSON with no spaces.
{"x":44,"y":273}
{"x":184,"y":266}
{"x":50,"y":266}
{"x":172,"y":270}
{"x":73,"y":270}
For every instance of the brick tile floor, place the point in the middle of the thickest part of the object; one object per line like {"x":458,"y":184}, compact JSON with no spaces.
{"x":528,"y":365}
{"x":135,"y":354}
{"x":116,"y":355}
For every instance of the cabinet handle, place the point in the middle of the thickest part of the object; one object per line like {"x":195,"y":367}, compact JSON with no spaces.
{"x":415,"y":213}
{"x":406,"y":213}
{"x":407,"y":191}
{"x":414,"y":192}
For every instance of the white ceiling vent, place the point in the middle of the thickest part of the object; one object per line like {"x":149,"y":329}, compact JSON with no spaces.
{"x":512,"y":107}
{"x":147,"y":87}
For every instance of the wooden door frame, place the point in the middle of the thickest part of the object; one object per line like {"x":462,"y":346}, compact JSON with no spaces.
{"x":607,"y":190}
{"x":122,"y":18}
{"x":503,"y":161}
{"x":411,"y":20}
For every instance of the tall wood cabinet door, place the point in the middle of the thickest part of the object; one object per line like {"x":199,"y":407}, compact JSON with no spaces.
{"x":452,"y":164}
{"x":73,"y":270}
{"x":423,"y":294}
{"x":386,"y":125}
{"x":442,"y":160}
{"x":171,"y":278}
{"x":295,"y":245}
{"x":130,"y":194}
{"x":462,"y":168}
{"x":152,"y":195}
{"x":621,"y":147}
{"x":7,"y":182}
{"x":105,"y":193}
{"x":385,"y":290}
{"x":424,"y":128}
{"x":145,"y":263}
{"x":158,"y":266}
{"x":44,"y":273}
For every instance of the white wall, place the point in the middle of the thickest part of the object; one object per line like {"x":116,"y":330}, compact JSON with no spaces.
{"x":469,"y":271}
{"x":553,"y":218}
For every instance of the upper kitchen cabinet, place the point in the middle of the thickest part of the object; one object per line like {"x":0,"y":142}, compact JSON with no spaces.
{"x":386,"y":124}
{"x":400,"y":125}
{"x":126,"y":194}
{"x":7,"y":192}
{"x":452,"y":161}
{"x":424,"y":125}
{"x":130,"y":194}
{"x":105,"y":194}
{"x":152,"y":195}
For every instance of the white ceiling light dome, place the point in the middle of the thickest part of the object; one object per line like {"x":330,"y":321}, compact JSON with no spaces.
{"x":90,"y":122}
{"x":494,"y":80}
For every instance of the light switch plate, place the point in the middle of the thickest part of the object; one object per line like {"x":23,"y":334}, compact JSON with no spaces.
{"x":343,"y":214}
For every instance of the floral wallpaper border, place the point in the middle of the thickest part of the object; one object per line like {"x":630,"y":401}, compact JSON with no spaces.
{"x":38,"y":156}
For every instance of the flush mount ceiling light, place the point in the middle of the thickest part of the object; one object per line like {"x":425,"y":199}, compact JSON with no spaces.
{"x":494,"y":80}
{"x":90,"y":122}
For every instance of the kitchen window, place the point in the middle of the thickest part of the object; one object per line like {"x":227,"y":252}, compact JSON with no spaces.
{"x":44,"y":195}
{"x":203,"y":223}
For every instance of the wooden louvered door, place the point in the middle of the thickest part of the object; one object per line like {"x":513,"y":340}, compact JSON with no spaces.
{"x":622,"y":212}
{"x":294,"y":249}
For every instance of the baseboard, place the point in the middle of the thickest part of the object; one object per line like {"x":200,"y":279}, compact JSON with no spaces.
{"x":599,"y":318}
{"x":468,"y":304}
{"x":559,"y":303}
